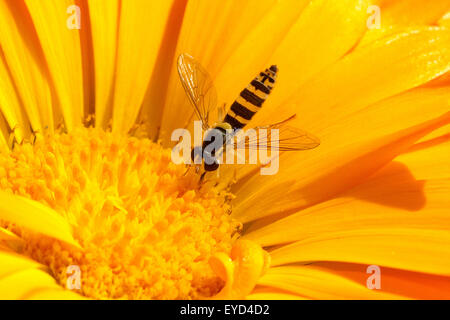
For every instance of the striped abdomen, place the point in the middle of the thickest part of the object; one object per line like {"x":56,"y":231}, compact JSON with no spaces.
{"x":251,"y":99}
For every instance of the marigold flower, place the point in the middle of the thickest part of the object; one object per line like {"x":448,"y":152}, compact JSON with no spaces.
{"x":89,"y":96}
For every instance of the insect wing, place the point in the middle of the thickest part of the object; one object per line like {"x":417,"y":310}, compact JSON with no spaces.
{"x":289,"y":138}
{"x":198,"y":86}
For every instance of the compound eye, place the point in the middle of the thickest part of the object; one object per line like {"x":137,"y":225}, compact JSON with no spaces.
{"x":212,"y":167}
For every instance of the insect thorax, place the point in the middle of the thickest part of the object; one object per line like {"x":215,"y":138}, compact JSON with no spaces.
{"x":217,"y":136}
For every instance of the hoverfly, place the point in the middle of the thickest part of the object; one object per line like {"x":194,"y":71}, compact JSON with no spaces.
{"x":202,"y":94}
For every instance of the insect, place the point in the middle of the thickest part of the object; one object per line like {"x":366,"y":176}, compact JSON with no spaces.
{"x":200,"y":90}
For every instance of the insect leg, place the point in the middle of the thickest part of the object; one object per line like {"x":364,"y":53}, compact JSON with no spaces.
{"x":12,"y":137}
{"x":201,"y":178}
{"x":34,"y":134}
{"x":218,"y":172}
{"x":222,"y":111}
{"x":187,"y":170}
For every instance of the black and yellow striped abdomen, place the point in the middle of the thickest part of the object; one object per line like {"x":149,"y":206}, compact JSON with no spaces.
{"x":251,"y":99}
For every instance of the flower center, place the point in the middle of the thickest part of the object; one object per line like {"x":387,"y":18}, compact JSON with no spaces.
{"x":147,"y":229}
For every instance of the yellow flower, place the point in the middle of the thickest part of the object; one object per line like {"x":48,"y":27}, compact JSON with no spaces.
{"x":92,"y":207}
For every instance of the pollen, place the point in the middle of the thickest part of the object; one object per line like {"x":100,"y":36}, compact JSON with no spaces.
{"x":146,"y":228}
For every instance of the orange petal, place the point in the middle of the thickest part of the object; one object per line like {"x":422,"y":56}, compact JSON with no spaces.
{"x":396,"y":200}
{"x":34,"y":216}
{"x":398,"y":218}
{"x":53,"y":294}
{"x":268,"y":293}
{"x":104,"y":21}
{"x":12,"y":118}
{"x":409,"y":192}
{"x":254,"y":53}
{"x":338,"y":25}
{"x":445,"y":20}
{"x":241,"y":270}
{"x":400,"y":14}
{"x":155,"y":97}
{"x":338,"y":96}
{"x":315,"y":283}
{"x":29,"y":78}
{"x":384,"y":68}
{"x":10,"y":240}
{"x":11,"y":263}
{"x":62,"y":50}
{"x":233,"y":34}
{"x":303,"y":183}
{"x":23,"y":283}
{"x":414,"y":249}
{"x":400,"y":282}
{"x":141,"y":28}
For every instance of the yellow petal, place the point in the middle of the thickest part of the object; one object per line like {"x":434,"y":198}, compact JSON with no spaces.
{"x":11,"y":263}
{"x":401,"y":14}
{"x":409,"y":192}
{"x":254,"y":53}
{"x":400,"y":282}
{"x":141,"y":28}
{"x":445,"y":20}
{"x":240,"y":270}
{"x":29,"y":76}
{"x":413,"y":249}
{"x":442,"y":81}
{"x":53,"y":294}
{"x":103,"y":18}
{"x":155,"y":97}
{"x":34,"y":216}
{"x":12,"y":115}
{"x":62,"y":51}
{"x":414,"y":12}
{"x":237,"y":34}
{"x":4,"y":134}
{"x":302,"y":183}
{"x":88,"y":67}
{"x":427,"y":160}
{"x":10,"y":240}
{"x":23,"y":283}
{"x":380,"y":70}
{"x":265,"y":293}
{"x":356,"y":82}
{"x":325,"y":31}
{"x":393,"y":199}
{"x":398,"y":218}
{"x":314,"y":283}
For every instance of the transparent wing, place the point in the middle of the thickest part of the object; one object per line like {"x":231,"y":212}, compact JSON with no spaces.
{"x":199,"y":87}
{"x":289,"y":138}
